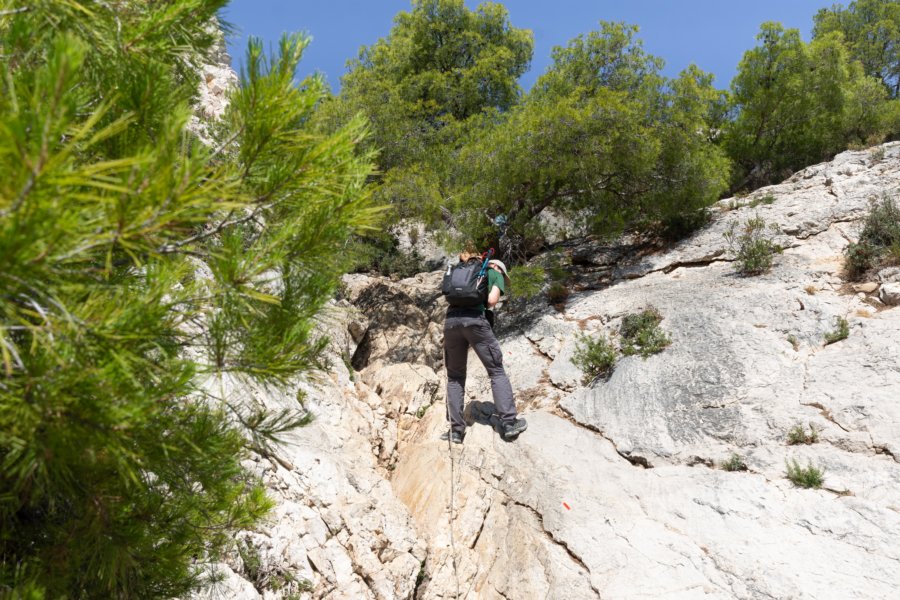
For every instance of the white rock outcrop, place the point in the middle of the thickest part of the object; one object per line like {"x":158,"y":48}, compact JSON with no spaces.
{"x":615,"y":490}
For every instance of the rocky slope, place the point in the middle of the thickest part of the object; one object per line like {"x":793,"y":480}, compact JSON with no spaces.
{"x":614,"y":491}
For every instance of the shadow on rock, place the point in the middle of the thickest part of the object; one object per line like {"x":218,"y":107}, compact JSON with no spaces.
{"x":484,"y":413}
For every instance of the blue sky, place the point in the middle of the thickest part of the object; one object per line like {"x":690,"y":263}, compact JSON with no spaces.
{"x":713,"y":34}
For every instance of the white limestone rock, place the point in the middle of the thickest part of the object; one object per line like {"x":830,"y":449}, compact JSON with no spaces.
{"x":890,"y":294}
{"x":570,"y":510}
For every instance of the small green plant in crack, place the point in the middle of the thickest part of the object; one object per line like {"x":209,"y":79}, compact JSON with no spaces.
{"x":349,"y":365}
{"x":752,"y":245}
{"x":793,"y":341}
{"x":641,"y":333}
{"x":558,"y":273}
{"x":303,"y":586}
{"x":558,"y":293}
{"x":420,"y":576}
{"x":252,"y":563}
{"x":422,"y":410}
{"x":281,"y":581}
{"x":767,"y":199}
{"x":734,"y":463}
{"x":805,"y":477}
{"x":799,"y":435}
{"x":841,"y":332}
{"x":595,"y":356}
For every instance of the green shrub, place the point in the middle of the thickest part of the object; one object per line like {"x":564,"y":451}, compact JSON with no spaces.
{"x":752,"y":246}
{"x":642,"y":335}
{"x":140,"y":273}
{"x":380,"y":253}
{"x":735,"y":463}
{"x":595,"y":356}
{"x":859,"y":258}
{"x":558,"y":293}
{"x":680,"y":225}
{"x":879,"y":242}
{"x":841,"y":333}
{"x":528,"y":282}
{"x":805,"y":477}
{"x":893,"y":254}
{"x":792,"y":339}
{"x":876,"y":154}
{"x":252,"y":563}
{"x":799,"y":435}
{"x":882,"y":226}
{"x":767,"y":199}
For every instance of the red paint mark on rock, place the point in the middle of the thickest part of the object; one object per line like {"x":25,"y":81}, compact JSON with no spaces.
{"x":567,"y":506}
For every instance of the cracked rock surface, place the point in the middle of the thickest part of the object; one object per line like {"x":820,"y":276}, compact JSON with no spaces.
{"x":613,"y":491}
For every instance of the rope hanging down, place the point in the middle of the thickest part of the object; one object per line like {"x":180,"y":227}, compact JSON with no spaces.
{"x":452,"y":513}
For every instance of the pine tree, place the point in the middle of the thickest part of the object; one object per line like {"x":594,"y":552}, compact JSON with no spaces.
{"x":441,"y":64}
{"x":796,"y":104}
{"x":136,"y":266}
{"x":602,"y":138}
{"x":871,"y":30}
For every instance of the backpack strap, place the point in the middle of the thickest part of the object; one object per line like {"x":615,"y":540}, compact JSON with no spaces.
{"x":487,"y":258}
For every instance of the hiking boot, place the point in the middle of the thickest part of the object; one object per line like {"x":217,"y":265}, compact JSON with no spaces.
{"x":513,"y":428}
{"x":454,"y":436}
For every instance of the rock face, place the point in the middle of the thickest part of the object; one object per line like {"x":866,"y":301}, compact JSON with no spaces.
{"x":337,"y":529}
{"x":212,"y":95}
{"x":621,"y":480}
{"x":615,"y":490}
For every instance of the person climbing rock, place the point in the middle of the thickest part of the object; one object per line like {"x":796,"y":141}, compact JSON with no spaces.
{"x":467,"y":326}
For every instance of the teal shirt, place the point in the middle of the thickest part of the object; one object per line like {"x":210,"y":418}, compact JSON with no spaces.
{"x":494,"y":278}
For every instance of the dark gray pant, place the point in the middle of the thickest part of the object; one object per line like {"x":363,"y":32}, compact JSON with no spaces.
{"x":459,"y":334}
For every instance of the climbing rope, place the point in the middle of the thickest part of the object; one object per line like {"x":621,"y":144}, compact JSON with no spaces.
{"x":452,"y":510}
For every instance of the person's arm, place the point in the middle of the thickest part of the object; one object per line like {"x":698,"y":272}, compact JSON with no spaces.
{"x":493,"y":297}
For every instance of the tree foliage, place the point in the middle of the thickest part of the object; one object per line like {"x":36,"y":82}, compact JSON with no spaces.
{"x":441,"y":64}
{"x":796,"y":104}
{"x":139,"y":267}
{"x":603,"y":138}
{"x":871,"y":30}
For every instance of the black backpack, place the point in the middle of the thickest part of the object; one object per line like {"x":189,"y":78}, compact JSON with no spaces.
{"x":465,"y":284}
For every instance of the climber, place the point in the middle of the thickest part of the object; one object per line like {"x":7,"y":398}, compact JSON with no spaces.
{"x":468,"y":326}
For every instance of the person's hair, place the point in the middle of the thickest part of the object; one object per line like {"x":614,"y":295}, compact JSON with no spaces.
{"x":469,"y":252}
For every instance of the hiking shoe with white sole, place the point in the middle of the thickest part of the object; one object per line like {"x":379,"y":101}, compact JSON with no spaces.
{"x":513,"y":428}
{"x":455,"y":436}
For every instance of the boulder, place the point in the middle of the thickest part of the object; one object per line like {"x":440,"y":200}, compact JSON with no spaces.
{"x":865,"y":288}
{"x":890,"y":294}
